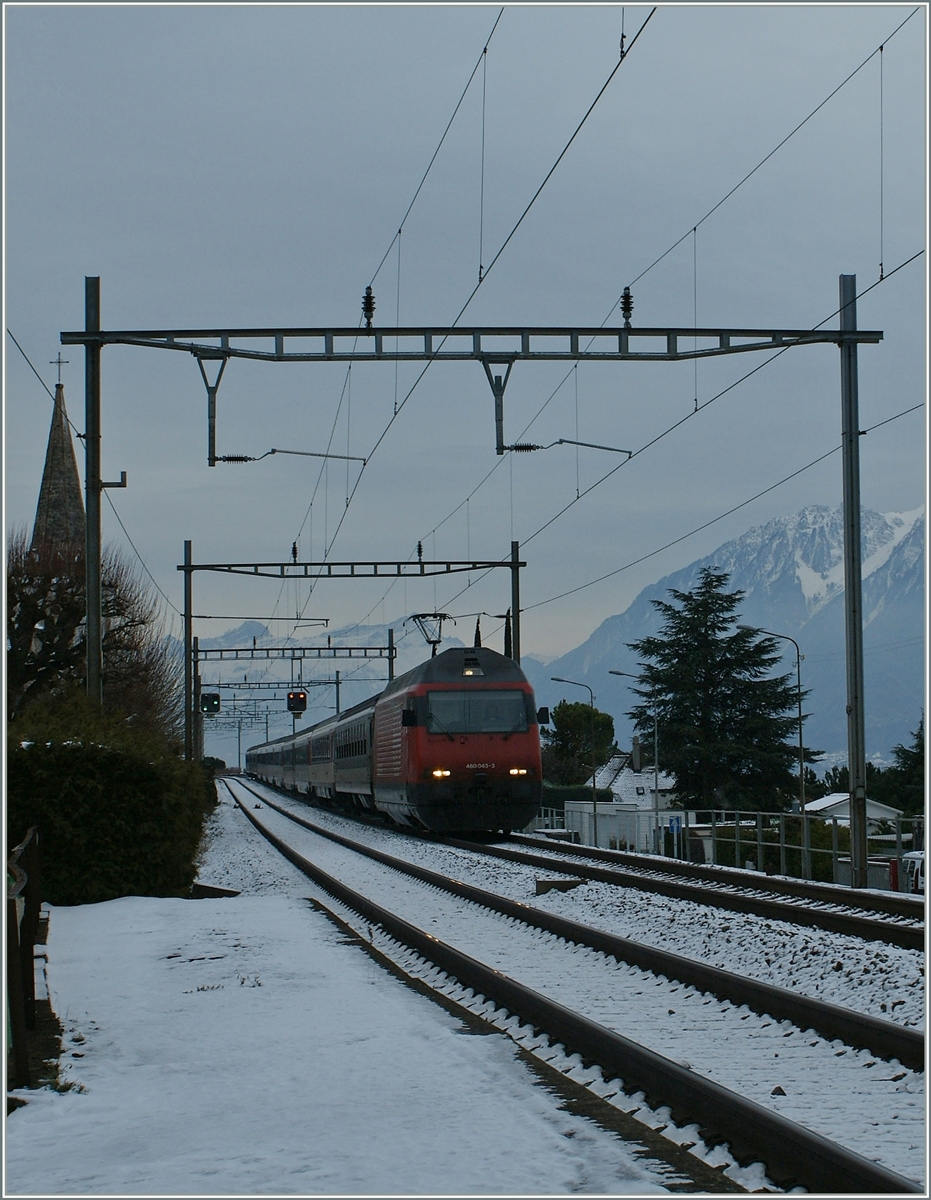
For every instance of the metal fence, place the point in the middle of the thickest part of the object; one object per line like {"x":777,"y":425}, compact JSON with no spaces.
{"x":804,"y":846}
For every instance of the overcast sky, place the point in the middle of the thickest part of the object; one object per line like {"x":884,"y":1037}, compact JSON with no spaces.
{"x":250,"y":165}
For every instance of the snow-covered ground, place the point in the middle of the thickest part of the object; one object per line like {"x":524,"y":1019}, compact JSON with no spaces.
{"x":884,"y":981}
{"x":876,"y":1109}
{"x":242,"y":1046}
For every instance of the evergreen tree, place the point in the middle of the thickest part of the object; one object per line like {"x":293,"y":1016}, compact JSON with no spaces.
{"x":901,"y":786}
{"x":567,"y":747}
{"x":909,"y":773}
{"x":728,"y":728}
{"x":837,"y":781}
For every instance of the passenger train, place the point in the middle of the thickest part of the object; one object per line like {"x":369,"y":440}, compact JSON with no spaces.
{"x":451,"y":746}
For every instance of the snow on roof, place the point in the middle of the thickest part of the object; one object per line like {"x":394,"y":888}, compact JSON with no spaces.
{"x":629,"y":786}
{"x":837,"y":804}
{"x":606,"y":775}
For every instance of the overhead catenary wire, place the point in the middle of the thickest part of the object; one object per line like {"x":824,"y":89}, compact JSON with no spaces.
{"x":478,"y":285}
{"x":38,"y":376}
{"x":323,"y":475}
{"x":481,"y":195}
{"x":682,"y":421}
{"x":670,"y":429}
{"x":397,"y":323}
{"x":439,"y":146}
{"x":328,"y":543}
{"x":881,"y":180}
{"x":707,"y":403}
{"x":713,"y":521}
{"x":694,"y":232}
{"x":720,"y":517}
{"x":575,"y":371}
{"x":142,"y":561}
{"x":767,"y":157}
{"x":501,"y":250}
{"x":694,"y":228}
{"x":695,"y":309}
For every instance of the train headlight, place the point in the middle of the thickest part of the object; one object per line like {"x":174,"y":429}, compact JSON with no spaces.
{"x":440,"y":774}
{"x":518,"y":771}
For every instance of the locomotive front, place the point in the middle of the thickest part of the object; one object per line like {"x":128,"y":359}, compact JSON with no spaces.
{"x":457,"y":745}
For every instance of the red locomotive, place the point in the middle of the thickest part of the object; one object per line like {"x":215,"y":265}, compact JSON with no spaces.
{"x":453,"y":745}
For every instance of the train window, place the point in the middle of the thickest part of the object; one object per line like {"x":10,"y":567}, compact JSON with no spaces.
{"x":351,"y":741}
{"x":477,"y":711}
{"x":320,"y":749}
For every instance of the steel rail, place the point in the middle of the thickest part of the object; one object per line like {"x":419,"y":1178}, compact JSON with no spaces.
{"x":884,"y":1039}
{"x":894,"y":903}
{"x":644,"y":1141}
{"x":908,"y":937}
{"x":791,"y":1154}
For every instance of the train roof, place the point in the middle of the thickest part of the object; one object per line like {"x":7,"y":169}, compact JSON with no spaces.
{"x":321,"y":727}
{"x":451,"y":667}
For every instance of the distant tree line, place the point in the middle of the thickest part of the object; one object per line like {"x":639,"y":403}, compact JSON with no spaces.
{"x":901,"y":785}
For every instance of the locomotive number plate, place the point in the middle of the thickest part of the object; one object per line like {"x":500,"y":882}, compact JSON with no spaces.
{"x":478,"y":766}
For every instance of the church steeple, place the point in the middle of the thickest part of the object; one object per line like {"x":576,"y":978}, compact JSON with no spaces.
{"x":60,"y":511}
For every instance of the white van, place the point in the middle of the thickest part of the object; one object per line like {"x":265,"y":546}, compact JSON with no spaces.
{"x":913,"y":864}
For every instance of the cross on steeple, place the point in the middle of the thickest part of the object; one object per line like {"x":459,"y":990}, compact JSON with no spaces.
{"x":59,"y":362}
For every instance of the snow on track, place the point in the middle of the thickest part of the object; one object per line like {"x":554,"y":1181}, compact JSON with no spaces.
{"x":884,"y":981}
{"x":731,"y":882}
{"x":876,"y":1108}
{"x":237,"y":1047}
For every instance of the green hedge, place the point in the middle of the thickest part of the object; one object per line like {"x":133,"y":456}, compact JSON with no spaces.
{"x":555,"y":795}
{"x":113,"y":820}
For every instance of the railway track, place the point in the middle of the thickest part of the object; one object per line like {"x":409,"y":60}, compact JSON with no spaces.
{"x":582,"y":1003}
{"x":894,"y":903}
{"x":899,"y":921}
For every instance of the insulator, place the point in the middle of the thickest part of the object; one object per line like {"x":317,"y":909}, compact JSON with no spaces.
{"x":627,"y":305}
{"x":236,"y":458}
{"x":368,"y":307}
{"x":522,"y":447}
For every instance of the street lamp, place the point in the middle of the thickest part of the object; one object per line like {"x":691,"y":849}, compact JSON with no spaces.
{"x":806,"y":864}
{"x":558,"y":679}
{"x":655,"y":762}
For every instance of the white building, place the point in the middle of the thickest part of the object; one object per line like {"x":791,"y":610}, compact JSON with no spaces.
{"x":630,"y":820}
{"x":837,"y":804}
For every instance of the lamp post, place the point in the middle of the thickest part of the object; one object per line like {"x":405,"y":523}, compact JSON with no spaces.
{"x":806,"y":840}
{"x":655,"y":762}
{"x":557,"y":679}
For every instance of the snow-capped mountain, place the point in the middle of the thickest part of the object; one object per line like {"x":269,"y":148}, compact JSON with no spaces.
{"x":792,"y":573}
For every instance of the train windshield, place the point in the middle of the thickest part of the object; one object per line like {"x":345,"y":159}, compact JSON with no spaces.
{"x":477,"y":711}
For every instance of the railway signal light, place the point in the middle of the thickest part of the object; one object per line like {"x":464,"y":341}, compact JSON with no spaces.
{"x":210,"y":702}
{"x":297,"y":702}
